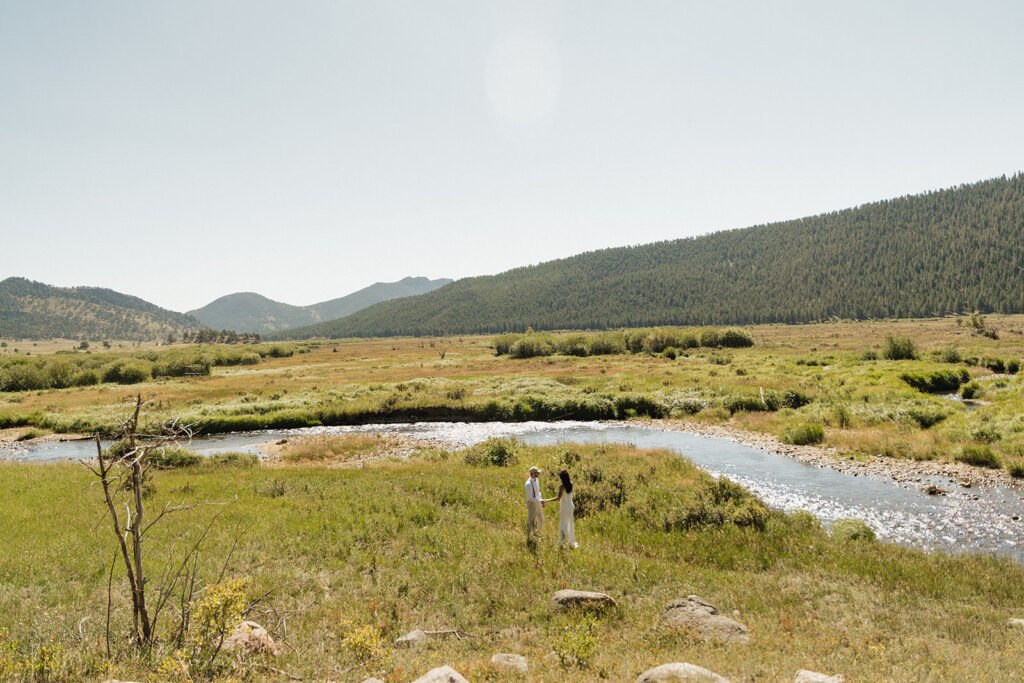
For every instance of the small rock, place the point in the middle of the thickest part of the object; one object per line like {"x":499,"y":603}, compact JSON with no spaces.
{"x":805,"y":676}
{"x":679,"y":671}
{"x":933,"y":490}
{"x":1019,"y":623}
{"x":966,"y":484}
{"x":569,"y":599}
{"x":412,"y":638}
{"x":704,"y":617}
{"x":510,"y":662}
{"x":249,"y":637}
{"x":442,"y":674}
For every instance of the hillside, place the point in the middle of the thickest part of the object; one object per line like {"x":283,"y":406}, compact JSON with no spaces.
{"x":960,"y":249}
{"x":251,"y":312}
{"x":38,"y":311}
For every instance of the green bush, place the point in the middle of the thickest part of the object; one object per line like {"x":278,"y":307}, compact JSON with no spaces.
{"x":1016,"y":469}
{"x":86,"y":378}
{"x":532,"y":346}
{"x":793,"y":398}
{"x":951,"y":355}
{"x":970,"y":390}
{"x":250,"y":358}
{"x":994,"y":364}
{"x":849,"y":529}
{"x":937,"y":382}
{"x":735,"y":338}
{"x":869,"y":355}
{"x":899,"y":348}
{"x":751,"y":404}
{"x":134,"y":372}
{"x":1013,"y":366}
{"x":172,"y":457}
{"x":803,"y":434}
{"x":670,"y":353}
{"x":978,"y":455}
{"x":493,"y":452}
{"x":926,"y":416}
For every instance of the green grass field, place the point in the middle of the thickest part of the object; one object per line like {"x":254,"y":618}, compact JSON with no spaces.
{"x":436,"y":543}
{"x":864,"y":404}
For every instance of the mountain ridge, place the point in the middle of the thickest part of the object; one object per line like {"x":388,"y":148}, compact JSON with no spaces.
{"x":253,"y":312}
{"x":943,"y":251}
{"x":30,"y":309}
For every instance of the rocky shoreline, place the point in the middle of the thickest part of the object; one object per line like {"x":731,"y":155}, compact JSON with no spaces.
{"x":902,"y":472}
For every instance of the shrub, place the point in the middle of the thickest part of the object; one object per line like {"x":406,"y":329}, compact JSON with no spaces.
{"x":172,"y":457}
{"x":746,"y":403}
{"x":502,"y":343}
{"x":869,"y":355}
{"x":494,"y":452}
{"x":735,"y":338}
{"x":607,"y":344}
{"x":250,"y":358}
{"x":576,"y":645}
{"x":937,"y":382}
{"x":1016,"y":469}
{"x":994,"y":364}
{"x":926,"y":416}
{"x":23,"y":377}
{"x":134,"y":372}
{"x":1013,"y":366}
{"x":970,"y":390}
{"x":573,"y":345}
{"x":950,"y":355}
{"x":980,"y":456}
{"x":531,"y":346}
{"x":803,"y":434}
{"x":899,"y":348}
{"x":670,"y":353}
{"x":794,"y":399}
{"x":86,"y":378}
{"x":849,"y":529}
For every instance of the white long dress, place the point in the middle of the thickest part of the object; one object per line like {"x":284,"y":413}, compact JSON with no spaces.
{"x":566,"y":522}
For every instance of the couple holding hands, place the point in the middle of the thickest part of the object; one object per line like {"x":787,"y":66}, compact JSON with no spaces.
{"x":535,"y":507}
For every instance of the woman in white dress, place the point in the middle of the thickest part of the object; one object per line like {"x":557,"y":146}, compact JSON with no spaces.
{"x":566,"y":512}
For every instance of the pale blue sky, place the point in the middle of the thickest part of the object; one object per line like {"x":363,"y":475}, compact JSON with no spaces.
{"x":179,"y":150}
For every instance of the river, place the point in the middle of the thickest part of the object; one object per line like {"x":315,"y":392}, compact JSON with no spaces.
{"x":981,"y":520}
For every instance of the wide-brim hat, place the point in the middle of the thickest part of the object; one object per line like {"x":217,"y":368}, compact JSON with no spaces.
{"x":535,"y":469}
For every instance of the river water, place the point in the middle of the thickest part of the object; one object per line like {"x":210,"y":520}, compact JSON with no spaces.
{"x":977,"y":520}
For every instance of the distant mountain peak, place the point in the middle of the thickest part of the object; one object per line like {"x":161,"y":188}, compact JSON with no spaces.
{"x":254,"y":312}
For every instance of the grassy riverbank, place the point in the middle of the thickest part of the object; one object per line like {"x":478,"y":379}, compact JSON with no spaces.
{"x":436,"y":543}
{"x":857,"y":401}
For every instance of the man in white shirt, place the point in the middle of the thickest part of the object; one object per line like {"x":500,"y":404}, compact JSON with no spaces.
{"x":534,"y":503}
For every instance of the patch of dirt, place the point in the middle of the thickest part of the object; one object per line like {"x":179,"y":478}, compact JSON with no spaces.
{"x":347,"y":450}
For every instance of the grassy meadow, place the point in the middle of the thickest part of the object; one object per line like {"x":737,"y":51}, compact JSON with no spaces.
{"x":361,"y":555}
{"x":829,"y":383}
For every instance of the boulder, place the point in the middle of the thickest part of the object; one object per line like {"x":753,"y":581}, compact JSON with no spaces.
{"x":442,"y":674}
{"x":249,"y":638}
{"x":570,"y":599}
{"x":680,"y":671}
{"x":704,"y":618}
{"x":509,"y":662}
{"x":412,"y":639}
{"x":1019,"y":623}
{"x":805,"y":676}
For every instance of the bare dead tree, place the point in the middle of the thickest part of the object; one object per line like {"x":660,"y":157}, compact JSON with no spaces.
{"x":122,"y":472}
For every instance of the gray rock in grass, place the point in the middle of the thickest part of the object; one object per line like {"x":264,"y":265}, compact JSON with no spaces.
{"x":704,"y":618}
{"x":586,"y":600}
{"x":680,"y":671}
{"x":805,"y":676}
{"x":442,"y":674}
{"x":510,"y":662}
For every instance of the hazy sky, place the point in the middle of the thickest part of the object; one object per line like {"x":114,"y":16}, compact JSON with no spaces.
{"x":180,"y":151}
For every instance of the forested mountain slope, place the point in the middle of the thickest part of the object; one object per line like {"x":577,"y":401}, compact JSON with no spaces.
{"x":34,"y":310}
{"x":960,"y":249}
{"x":251,"y":312}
